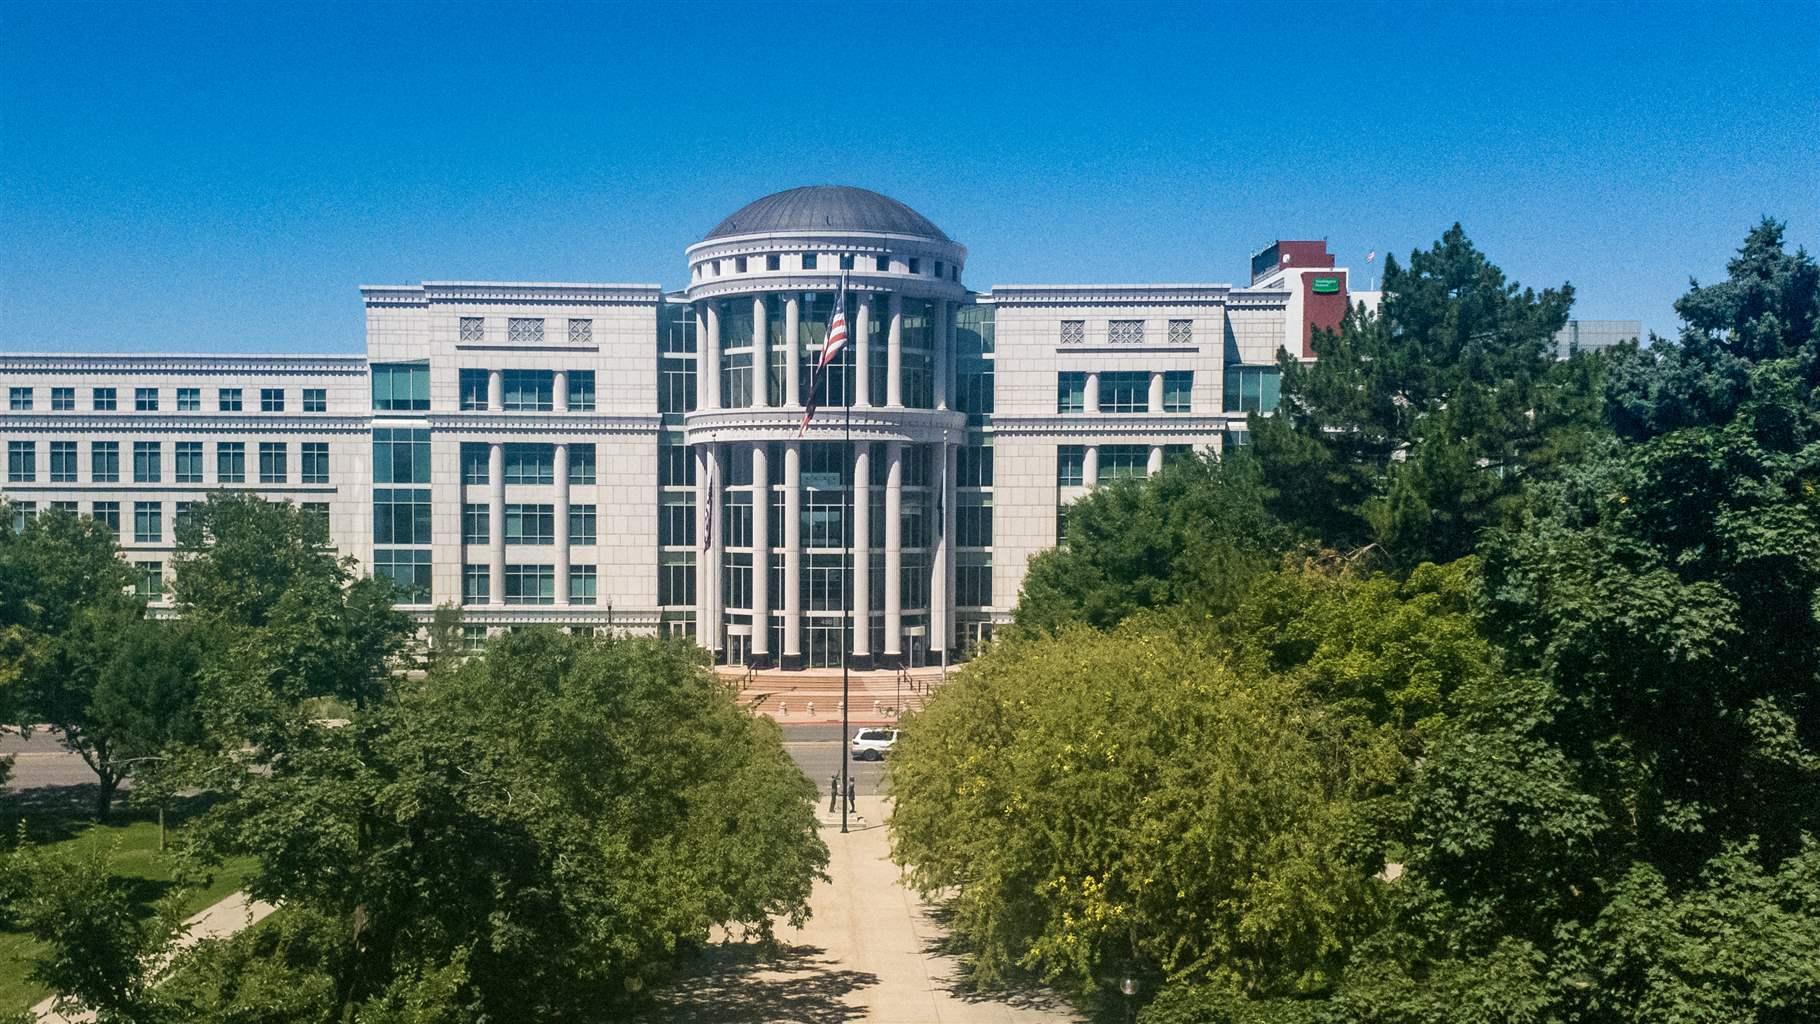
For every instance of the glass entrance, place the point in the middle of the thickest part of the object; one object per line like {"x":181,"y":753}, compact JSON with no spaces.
{"x":824,"y":642}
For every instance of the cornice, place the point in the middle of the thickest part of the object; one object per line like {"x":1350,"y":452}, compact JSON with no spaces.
{"x":189,"y":363}
{"x":1109,"y":294}
{"x":522,"y":614}
{"x":543,"y":423}
{"x":1161,"y":426}
{"x":528,"y":292}
{"x":769,"y":282}
{"x":833,"y":240}
{"x":917,"y":426}
{"x":183,"y":423}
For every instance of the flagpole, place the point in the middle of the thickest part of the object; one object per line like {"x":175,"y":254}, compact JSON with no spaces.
{"x":846,"y":700}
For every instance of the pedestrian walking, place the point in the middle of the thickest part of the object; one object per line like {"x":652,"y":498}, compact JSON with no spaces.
{"x":834,"y":792}
{"x":852,"y":794}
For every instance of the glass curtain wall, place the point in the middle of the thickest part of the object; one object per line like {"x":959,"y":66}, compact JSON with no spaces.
{"x":736,"y":353}
{"x":835,"y":386}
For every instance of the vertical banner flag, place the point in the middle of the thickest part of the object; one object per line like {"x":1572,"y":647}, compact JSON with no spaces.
{"x":831,"y":346}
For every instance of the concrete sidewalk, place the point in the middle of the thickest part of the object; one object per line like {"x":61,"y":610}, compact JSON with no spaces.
{"x":870,"y":952}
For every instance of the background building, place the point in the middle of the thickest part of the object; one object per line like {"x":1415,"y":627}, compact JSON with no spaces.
{"x":612,"y":455}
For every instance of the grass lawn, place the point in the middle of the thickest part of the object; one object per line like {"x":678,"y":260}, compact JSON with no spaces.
{"x":134,"y":841}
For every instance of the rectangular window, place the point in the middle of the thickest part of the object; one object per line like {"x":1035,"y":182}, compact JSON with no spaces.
{"x":476,"y":524}
{"x":184,"y":512}
{"x":230,"y":462}
{"x":1125,"y":332}
{"x":148,"y":580}
{"x":318,"y":511}
{"x":148,"y":462}
{"x":530,"y":463}
{"x":1074,"y":332}
{"x":19,"y":399}
{"x":1178,"y":391}
{"x":973,"y":522}
{"x":1070,"y":465}
{"x":584,"y":584}
{"x":581,"y":464}
{"x":228,"y":399}
{"x":401,"y":387}
{"x":474,"y":638}
{"x":72,"y":507}
{"x":104,"y":399}
{"x":581,"y":332}
{"x":107,"y":513}
{"x":883,"y":263}
{"x":1125,"y":391}
{"x":473,"y":386}
{"x":272,"y":469}
{"x":1123,"y":461}
{"x":187,"y":461}
{"x":145,"y":399}
{"x":148,"y":522}
{"x":675,"y":521}
{"x":476,"y":584}
{"x":523,"y":330}
{"x":739,"y":264}
{"x":1071,"y":392}
{"x":1181,"y":332}
{"x":104,"y":462}
{"x":808,"y":261}
{"x":63,"y":399}
{"x":1252,"y":388}
{"x":315,"y":400}
{"x":271,"y":399}
{"x":63,"y":462}
{"x":973,"y":581}
{"x":530,"y":524}
{"x":473,"y":328}
{"x":940,"y":271}
{"x":846,"y":261}
{"x":675,"y":465}
{"x":530,"y":584}
{"x":581,"y":524}
{"x":581,"y":390}
{"x":189,"y":399}
{"x":401,"y":516}
{"x":529,"y":390}
{"x":773,"y":262}
{"x":314,"y":456}
{"x":974,"y":467}
{"x":916,"y":265}
{"x":401,"y":455}
{"x":409,"y":571}
{"x":21,"y":462}
{"x":676,"y":578}
{"x":476,"y":465}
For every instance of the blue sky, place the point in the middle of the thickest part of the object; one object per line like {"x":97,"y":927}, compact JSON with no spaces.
{"x":222,"y":177}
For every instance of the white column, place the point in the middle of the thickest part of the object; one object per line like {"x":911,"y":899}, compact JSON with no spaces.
{"x":496,"y":390}
{"x":793,"y":392}
{"x":1093,"y":391}
{"x":496,"y":520}
{"x":894,"y":354}
{"x":1090,"y":466}
{"x":894,"y":552}
{"x":793,"y":552}
{"x":761,"y":359}
{"x":941,"y":598}
{"x":940,"y":342}
{"x":562,"y":524}
{"x":559,"y":387}
{"x":709,"y":372}
{"x":862,"y":550}
{"x":862,"y":352}
{"x":761,"y":552}
{"x":704,"y":571}
{"x":1155,"y":465}
{"x":717,"y":544}
{"x":1156,"y":392}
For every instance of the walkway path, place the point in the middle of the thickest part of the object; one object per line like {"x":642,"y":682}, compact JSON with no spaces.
{"x":870,"y":952}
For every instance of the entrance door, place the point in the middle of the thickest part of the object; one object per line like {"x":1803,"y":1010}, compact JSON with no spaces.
{"x":739,"y":648}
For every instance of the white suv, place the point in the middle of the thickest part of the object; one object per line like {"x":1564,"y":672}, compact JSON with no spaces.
{"x":873,"y":744}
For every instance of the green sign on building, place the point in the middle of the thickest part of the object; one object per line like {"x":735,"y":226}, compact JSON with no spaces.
{"x":1326,"y":285}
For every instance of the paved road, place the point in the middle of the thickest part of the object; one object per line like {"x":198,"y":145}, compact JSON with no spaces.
{"x":42,"y":761}
{"x":816,"y":749}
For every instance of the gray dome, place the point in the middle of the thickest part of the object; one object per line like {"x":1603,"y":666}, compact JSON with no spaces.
{"x":825,"y":208}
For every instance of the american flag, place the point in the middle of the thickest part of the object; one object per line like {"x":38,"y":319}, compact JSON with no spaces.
{"x":707,"y":508}
{"x":836,"y":340}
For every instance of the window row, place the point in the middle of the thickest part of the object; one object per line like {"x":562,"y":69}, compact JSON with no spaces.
{"x":1125,"y":391}
{"x":529,"y":524}
{"x":148,"y":516}
{"x":525,"y":330}
{"x":529,"y":584}
{"x":1127,"y":332}
{"x":21,"y":399}
{"x":187,"y":462}
{"x":1115,"y":462}
{"x":526,"y":390}
{"x":879,"y":263}
{"x":525,"y":463}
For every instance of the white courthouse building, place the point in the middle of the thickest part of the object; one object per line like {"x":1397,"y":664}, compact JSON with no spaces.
{"x":622,"y":456}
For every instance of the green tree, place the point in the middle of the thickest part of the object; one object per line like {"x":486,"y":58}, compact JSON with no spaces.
{"x":1107,"y":802}
{"x":542,"y":830}
{"x":1416,"y":427}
